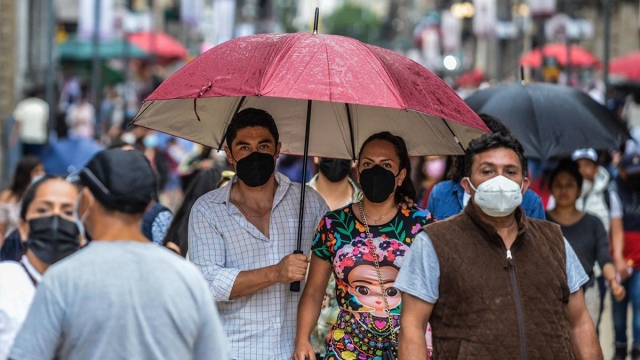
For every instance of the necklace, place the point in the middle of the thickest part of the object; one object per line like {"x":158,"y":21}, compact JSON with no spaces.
{"x":247,"y":214}
{"x":375,"y":221}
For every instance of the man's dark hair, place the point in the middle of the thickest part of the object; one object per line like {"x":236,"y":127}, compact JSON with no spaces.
{"x":251,"y":117}
{"x":457,"y":170}
{"x":569,"y":167}
{"x":494,"y":141}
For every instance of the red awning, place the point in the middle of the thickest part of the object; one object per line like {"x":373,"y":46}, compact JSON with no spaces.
{"x":159,"y":43}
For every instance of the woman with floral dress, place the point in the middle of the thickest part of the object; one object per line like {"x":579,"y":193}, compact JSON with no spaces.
{"x":363,"y":245}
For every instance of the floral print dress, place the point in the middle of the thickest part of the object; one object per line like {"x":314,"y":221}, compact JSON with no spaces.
{"x":363,"y":329}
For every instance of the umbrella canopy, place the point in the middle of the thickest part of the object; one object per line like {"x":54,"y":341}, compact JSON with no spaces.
{"x":75,"y":49}
{"x":626,"y":66}
{"x":357,"y":90}
{"x":159,"y":43}
{"x":551,"y":121}
{"x":65,"y":156}
{"x":579,"y":56}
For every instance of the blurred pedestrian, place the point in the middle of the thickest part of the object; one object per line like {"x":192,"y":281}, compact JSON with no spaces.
{"x":628,"y":187}
{"x":242,"y":237}
{"x":431,"y":171}
{"x":28,"y":170}
{"x":449,"y":198}
{"x":31,"y":123}
{"x":121,"y":297}
{"x":50,"y":232}
{"x":81,"y":116}
{"x":177,"y":235}
{"x":585,"y":233}
{"x":601,"y":199}
{"x":364,"y":245}
{"x":494,"y":283}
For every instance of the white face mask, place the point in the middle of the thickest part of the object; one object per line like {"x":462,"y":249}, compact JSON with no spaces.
{"x":497,"y":197}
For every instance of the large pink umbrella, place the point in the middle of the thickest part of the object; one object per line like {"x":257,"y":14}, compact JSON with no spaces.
{"x":344,"y":89}
{"x":356,"y":89}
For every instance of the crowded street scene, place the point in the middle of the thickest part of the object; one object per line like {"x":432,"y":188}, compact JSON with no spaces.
{"x":319,"y":180}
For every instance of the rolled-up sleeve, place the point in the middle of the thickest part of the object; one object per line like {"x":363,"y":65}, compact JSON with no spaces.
{"x":207,"y":251}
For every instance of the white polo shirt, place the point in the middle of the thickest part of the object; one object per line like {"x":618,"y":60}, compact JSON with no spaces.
{"x":16,"y":293}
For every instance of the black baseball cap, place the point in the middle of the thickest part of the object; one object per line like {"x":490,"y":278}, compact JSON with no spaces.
{"x":120,"y":180}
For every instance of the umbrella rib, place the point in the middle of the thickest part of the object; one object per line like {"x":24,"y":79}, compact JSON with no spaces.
{"x":454,"y":135}
{"x":234,"y":114}
{"x":143,"y":111}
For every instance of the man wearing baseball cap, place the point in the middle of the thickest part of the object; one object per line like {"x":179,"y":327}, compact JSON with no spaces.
{"x":628,"y":186}
{"x":121,"y":297}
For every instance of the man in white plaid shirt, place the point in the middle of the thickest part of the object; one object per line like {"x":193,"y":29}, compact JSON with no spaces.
{"x":242,"y":236}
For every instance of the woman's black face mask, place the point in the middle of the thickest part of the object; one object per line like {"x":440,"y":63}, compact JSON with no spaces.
{"x":377,"y":183}
{"x":52,"y":238}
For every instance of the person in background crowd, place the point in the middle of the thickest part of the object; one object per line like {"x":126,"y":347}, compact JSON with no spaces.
{"x":601,"y":200}
{"x":585,"y":233}
{"x":48,"y":227}
{"x":628,"y":188}
{"x":121,"y":296}
{"x":332,"y":182}
{"x":81,"y":116}
{"x":597,"y":197}
{"x":31,"y":118}
{"x":28,"y":170}
{"x":449,"y":198}
{"x":242,"y":236}
{"x":201,"y":158}
{"x":631,"y":110}
{"x":157,"y":157}
{"x":363,"y":244}
{"x":431,"y":171}
{"x":494,"y":283}
{"x":177,"y":236}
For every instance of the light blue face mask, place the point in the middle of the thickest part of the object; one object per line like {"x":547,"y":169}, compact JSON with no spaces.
{"x":151,"y":141}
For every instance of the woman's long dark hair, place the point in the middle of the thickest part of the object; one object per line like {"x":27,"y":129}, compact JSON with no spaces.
{"x":206,"y":181}
{"x":406,"y":189}
{"x":22,"y":177}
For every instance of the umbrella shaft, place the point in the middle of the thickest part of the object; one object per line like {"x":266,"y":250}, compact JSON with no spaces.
{"x":304,"y":175}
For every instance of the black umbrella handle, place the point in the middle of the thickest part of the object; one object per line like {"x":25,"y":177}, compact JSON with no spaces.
{"x":295,"y":286}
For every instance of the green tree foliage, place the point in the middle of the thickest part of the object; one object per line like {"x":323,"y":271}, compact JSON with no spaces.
{"x":354,"y":21}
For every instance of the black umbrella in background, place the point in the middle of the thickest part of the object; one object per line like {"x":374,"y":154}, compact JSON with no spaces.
{"x":551,"y":121}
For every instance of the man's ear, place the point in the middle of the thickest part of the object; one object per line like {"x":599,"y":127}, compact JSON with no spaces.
{"x":23,"y":229}
{"x":525,"y":184}
{"x":227,"y":152}
{"x":464,"y":182}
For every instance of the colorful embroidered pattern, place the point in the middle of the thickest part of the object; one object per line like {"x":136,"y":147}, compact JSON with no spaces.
{"x":362,"y":330}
